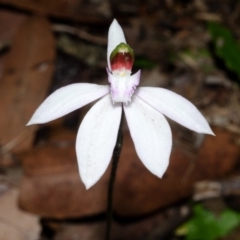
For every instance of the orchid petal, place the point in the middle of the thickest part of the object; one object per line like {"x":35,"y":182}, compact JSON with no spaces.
{"x":115,"y":37}
{"x":66,"y":100}
{"x":151,"y":135}
{"x":96,"y":139}
{"x":175,"y":107}
{"x":135,"y":78}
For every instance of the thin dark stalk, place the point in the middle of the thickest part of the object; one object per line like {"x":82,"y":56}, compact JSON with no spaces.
{"x":115,"y":158}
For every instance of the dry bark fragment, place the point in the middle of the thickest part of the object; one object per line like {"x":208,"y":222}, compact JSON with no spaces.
{"x":25,"y":82}
{"x":52,"y":188}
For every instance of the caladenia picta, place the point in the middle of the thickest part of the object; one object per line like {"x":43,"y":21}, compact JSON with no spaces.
{"x":99,"y":136}
{"x":145,"y":109}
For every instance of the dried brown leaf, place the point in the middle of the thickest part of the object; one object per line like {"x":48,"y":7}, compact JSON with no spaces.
{"x":25,"y":82}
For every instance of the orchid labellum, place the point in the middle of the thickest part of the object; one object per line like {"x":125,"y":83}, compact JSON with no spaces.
{"x":145,"y":109}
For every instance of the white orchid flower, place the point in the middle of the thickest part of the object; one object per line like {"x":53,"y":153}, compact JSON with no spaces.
{"x":144,"y":110}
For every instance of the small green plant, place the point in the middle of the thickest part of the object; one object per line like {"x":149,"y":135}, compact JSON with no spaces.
{"x":204,"y":225}
{"x":225,"y":46}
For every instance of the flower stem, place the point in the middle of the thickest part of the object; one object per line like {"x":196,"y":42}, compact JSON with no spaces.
{"x":115,"y":158}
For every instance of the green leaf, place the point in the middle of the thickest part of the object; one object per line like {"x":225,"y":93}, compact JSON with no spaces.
{"x":206,"y":226}
{"x":225,"y":46}
{"x":203,"y":225}
{"x":228,"y":221}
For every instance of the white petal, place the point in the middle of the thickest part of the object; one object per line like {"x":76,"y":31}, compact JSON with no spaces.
{"x":135,"y":78}
{"x":66,"y":100}
{"x":115,"y":37}
{"x":175,"y":107}
{"x":151,"y":135}
{"x":96,"y":139}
